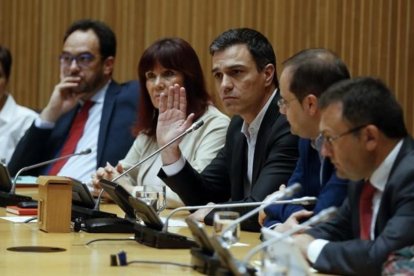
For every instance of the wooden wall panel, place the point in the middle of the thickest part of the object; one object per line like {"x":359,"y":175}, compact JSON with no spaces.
{"x":374,"y":37}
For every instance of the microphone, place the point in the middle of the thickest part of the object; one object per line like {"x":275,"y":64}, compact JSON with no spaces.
{"x":84,"y":152}
{"x":158,"y":236}
{"x":307,"y":200}
{"x":320,"y":217}
{"x":193,"y":127}
{"x":206,"y":260}
{"x":236,"y":267}
{"x":11,"y":198}
{"x":288,"y":192}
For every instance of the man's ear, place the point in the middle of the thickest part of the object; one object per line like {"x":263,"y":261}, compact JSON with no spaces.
{"x":109,"y":65}
{"x":269,"y":73}
{"x":310,"y":103}
{"x":371,"y":136}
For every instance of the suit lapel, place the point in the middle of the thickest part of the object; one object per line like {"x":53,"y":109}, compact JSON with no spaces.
{"x":240,"y":157}
{"x":383,"y":210}
{"x":263,"y":136}
{"x":407,"y":146}
{"x":357,"y":186}
{"x":107,"y":110}
{"x":326,"y":170}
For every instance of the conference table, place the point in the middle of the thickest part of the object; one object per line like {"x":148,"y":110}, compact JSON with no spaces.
{"x":93,"y":259}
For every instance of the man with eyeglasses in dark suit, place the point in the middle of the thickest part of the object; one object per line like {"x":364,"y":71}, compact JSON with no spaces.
{"x":87,"y":109}
{"x":365,"y":137}
{"x":305,"y":77}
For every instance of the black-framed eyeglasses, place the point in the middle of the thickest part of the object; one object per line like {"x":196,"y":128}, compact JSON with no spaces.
{"x":282,"y":103}
{"x":329,"y":139}
{"x":82,"y":60}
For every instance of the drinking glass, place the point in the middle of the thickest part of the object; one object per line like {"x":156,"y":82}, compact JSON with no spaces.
{"x":221,"y":221}
{"x":275,"y":263}
{"x":154,"y":195}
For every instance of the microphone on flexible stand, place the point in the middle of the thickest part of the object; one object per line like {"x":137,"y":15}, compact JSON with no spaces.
{"x":12,"y":199}
{"x":193,"y":127}
{"x":288,"y":192}
{"x":143,"y":234}
{"x":306,"y":200}
{"x":320,"y":217}
{"x":237,"y":267}
{"x":205,"y":261}
{"x":159,"y":237}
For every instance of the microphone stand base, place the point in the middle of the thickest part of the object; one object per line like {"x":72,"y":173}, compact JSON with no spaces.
{"x":162,"y":240}
{"x":7,"y":199}
{"x":103,"y":225}
{"x":203,"y":262}
{"x":87,"y":213}
{"x":222,"y":271}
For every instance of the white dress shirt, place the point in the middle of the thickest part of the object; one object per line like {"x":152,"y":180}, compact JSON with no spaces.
{"x":81,"y":167}
{"x":14,"y":121}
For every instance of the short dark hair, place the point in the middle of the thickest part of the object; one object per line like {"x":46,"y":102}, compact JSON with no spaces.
{"x":106,"y":37}
{"x":6,"y":61}
{"x":367,"y":100}
{"x":258,"y":45}
{"x":313,"y":71}
{"x":177,"y":54}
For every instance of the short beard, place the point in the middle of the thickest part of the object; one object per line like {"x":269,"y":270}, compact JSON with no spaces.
{"x":93,"y":86}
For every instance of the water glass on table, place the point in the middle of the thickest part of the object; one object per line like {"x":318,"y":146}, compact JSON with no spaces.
{"x":154,"y":195}
{"x":275,"y":264}
{"x":222,"y":220}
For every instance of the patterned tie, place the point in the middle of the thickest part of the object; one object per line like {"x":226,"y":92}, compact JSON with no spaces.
{"x":365,"y":210}
{"x":72,"y":140}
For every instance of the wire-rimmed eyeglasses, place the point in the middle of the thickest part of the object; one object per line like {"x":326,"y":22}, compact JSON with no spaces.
{"x":329,"y":139}
{"x":282,"y":103}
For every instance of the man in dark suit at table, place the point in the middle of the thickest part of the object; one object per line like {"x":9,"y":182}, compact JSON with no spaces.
{"x":365,"y":137}
{"x":259,"y":154}
{"x":87,"y":109}
{"x":305,"y":77}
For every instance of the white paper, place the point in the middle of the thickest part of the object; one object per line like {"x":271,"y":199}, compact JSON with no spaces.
{"x":174,"y":222}
{"x":26,"y":180}
{"x":18,"y":219}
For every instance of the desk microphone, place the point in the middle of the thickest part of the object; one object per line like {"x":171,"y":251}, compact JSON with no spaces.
{"x":84,"y":152}
{"x":206,"y":261}
{"x":287,"y":192}
{"x":193,"y":127}
{"x":11,"y":198}
{"x":306,"y":200}
{"x":320,"y":217}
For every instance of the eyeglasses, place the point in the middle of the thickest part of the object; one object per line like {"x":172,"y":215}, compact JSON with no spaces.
{"x":282,"y":103}
{"x":82,"y":60}
{"x":329,"y":139}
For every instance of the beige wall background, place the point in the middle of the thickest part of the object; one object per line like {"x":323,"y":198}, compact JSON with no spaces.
{"x":374,"y":37}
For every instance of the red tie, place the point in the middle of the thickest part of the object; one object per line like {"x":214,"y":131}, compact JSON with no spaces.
{"x":75,"y":134}
{"x":365,"y":210}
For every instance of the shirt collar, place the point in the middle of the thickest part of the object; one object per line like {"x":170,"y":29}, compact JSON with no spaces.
{"x":255,"y":124}
{"x":100,"y":95}
{"x":380,"y":176}
{"x":7,"y":112}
